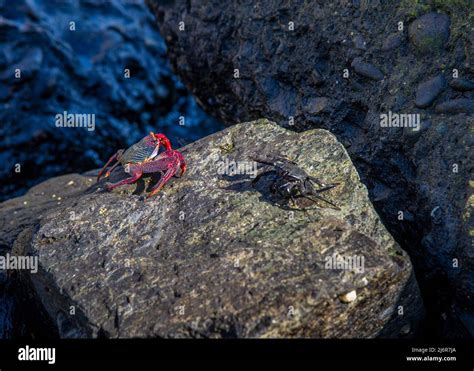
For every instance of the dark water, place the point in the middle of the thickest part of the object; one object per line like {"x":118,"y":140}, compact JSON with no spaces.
{"x":80,"y":68}
{"x":81,"y":71}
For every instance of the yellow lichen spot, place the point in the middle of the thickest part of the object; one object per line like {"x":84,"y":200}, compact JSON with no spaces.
{"x":102,"y":210}
{"x":227,"y":148}
{"x":470,"y":201}
{"x":471,"y":183}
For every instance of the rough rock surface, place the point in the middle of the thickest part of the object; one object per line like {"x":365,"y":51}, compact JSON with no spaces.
{"x":283,"y":65}
{"x":215,"y":255}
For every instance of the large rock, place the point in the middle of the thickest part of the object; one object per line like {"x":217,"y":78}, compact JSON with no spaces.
{"x":288,"y":54}
{"x":215,"y":254}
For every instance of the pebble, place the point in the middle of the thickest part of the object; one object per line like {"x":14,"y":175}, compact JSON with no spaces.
{"x":461,"y":105}
{"x":317,"y":78}
{"x":359,"y":42}
{"x":427,"y":91}
{"x":441,"y":128}
{"x":366,"y":69}
{"x":462,"y":84}
{"x":392,"y":42}
{"x":437,"y":215}
{"x":349,"y":297}
{"x":430,"y":32}
{"x":316,"y":105}
{"x":405,"y":330}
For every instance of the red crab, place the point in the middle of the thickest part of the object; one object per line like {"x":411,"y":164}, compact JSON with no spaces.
{"x":143,"y":158}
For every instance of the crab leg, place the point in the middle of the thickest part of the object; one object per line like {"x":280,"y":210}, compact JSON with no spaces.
{"x":164,"y":178}
{"x":325,"y":188}
{"x":321,"y":183}
{"x":322,"y":199}
{"x":115,"y":157}
{"x":135,"y":171}
{"x":314,"y":193}
{"x":111,"y":169}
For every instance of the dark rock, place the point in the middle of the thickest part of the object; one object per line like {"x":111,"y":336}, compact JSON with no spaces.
{"x":366,"y":69}
{"x":430,"y":32}
{"x":317,"y":78}
{"x":316,"y":105}
{"x":408,"y":165}
{"x":238,"y":263}
{"x":461,"y":105}
{"x":392,"y":42}
{"x":427,"y":91}
{"x":412,"y":135}
{"x":359,"y":42}
{"x":462,"y":84}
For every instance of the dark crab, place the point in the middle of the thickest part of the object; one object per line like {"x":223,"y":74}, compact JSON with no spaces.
{"x":292,"y":181}
{"x":143,"y":158}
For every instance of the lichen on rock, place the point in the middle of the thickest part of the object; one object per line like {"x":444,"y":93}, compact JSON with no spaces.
{"x":215,"y":254}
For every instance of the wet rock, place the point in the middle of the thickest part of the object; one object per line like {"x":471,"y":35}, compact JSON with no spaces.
{"x":427,"y":91}
{"x":215,"y":255}
{"x":27,"y":67}
{"x":83,"y":71}
{"x":406,"y":166}
{"x":462,"y":84}
{"x":317,"y":78}
{"x":316,"y":105}
{"x":461,"y":105}
{"x":366,"y":69}
{"x":405,"y":330}
{"x":7,"y":305}
{"x":392,"y":42}
{"x":359,"y":42}
{"x":430,"y":32}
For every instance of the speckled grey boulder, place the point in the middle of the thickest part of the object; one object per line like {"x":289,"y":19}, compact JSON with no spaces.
{"x":215,"y":255}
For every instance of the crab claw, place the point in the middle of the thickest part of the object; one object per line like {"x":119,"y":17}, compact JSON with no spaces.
{"x":162,"y":139}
